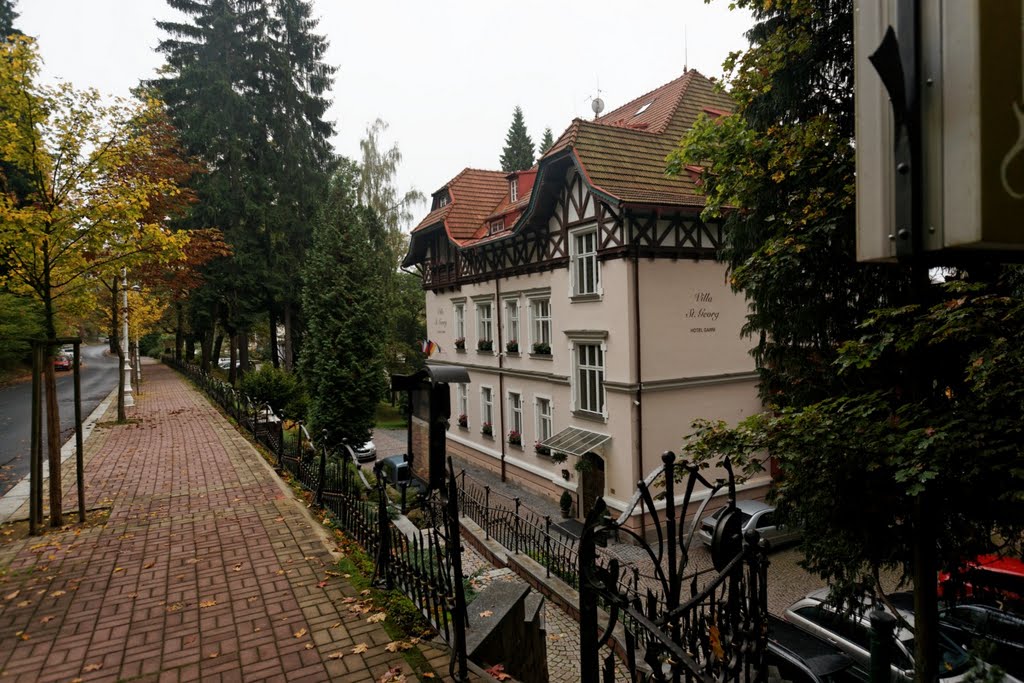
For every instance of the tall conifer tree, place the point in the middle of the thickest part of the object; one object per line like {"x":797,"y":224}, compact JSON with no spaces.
{"x":546,"y":142}
{"x":7,"y":17}
{"x":518,"y":152}
{"x":345,"y":270}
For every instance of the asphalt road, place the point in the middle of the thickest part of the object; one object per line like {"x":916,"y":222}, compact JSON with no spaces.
{"x":99,"y":376}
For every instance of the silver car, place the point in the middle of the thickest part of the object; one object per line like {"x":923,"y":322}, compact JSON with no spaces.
{"x":756,"y":515}
{"x":851,"y":633}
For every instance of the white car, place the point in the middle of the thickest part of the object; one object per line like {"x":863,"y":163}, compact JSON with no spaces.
{"x":365,"y":453}
{"x":756,"y":515}
{"x":851,"y":633}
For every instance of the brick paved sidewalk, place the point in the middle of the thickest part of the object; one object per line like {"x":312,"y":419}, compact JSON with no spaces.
{"x":207,"y":569}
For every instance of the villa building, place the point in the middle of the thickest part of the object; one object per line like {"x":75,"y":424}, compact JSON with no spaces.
{"x":584,"y":299}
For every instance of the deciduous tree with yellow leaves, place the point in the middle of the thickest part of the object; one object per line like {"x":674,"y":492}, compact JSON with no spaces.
{"x":80,"y":210}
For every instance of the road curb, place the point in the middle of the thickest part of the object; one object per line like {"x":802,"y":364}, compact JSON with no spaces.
{"x":17,"y":497}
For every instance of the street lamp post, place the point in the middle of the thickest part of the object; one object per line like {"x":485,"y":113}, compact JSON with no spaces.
{"x":129,"y":400}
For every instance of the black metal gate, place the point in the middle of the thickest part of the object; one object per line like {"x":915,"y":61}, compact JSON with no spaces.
{"x":675,"y":623}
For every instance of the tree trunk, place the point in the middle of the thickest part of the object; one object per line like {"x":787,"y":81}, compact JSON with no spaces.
{"x":190,"y":348}
{"x":53,"y":441}
{"x":206,"y":346}
{"x":274,"y":355}
{"x":114,"y":318}
{"x":243,"y":353}
{"x":233,"y":370}
{"x":179,"y":332}
{"x":133,"y":359}
{"x":289,"y":350}
{"x":215,"y":351}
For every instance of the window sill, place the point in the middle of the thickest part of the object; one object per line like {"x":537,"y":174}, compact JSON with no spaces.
{"x":512,"y":353}
{"x":464,"y":428}
{"x":541,"y":356}
{"x":584,"y":298}
{"x":589,"y":416}
{"x":458,"y":350}
{"x":517,"y":446}
{"x":482,"y":352}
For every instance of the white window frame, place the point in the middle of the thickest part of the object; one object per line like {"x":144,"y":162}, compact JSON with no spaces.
{"x":536,"y":320}
{"x":487,"y":408}
{"x":462,"y":401}
{"x":539,"y":417}
{"x":496,"y":226}
{"x":515,"y":413}
{"x":512,"y":321}
{"x":598,"y":372}
{"x":578,"y":260}
{"x":484,"y":324}
{"x":513,"y":190}
{"x":459,"y":315}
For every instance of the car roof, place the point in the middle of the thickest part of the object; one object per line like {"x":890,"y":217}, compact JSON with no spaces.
{"x":822,"y":658}
{"x":395,"y":459}
{"x":752,"y":506}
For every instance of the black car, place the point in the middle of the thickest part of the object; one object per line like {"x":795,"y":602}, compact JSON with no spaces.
{"x":793,"y":655}
{"x":1004,"y":631}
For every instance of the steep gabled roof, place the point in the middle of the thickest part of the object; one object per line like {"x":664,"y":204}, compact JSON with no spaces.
{"x":473,"y":196}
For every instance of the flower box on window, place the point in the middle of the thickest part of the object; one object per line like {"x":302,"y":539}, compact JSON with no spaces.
{"x":541,"y":450}
{"x":464,"y":421}
{"x":460,"y":344}
{"x":486,"y":429}
{"x":485,"y":345}
{"x":515,"y":438}
{"x":512,"y":346}
{"x":542,"y":349}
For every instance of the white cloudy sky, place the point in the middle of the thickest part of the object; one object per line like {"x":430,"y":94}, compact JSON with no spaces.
{"x":445,"y":74}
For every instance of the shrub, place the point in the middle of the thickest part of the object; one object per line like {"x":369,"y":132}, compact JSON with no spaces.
{"x":271,"y":385}
{"x":565,"y":502}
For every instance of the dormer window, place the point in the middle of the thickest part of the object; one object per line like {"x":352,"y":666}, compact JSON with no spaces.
{"x":644,"y":108}
{"x":513,"y":189}
{"x":496,"y":226}
{"x":440,"y":199}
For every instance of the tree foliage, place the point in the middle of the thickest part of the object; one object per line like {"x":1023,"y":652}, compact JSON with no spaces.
{"x":78,"y":209}
{"x":517,"y":155}
{"x":893,"y":403}
{"x":342,"y":358}
{"x":7,"y":17}
{"x":546,"y":142}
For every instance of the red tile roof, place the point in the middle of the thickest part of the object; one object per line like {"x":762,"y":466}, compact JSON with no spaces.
{"x":622,"y":154}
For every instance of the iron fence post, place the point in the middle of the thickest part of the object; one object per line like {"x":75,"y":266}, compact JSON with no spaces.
{"x":462,"y":493}
{"x":383,"y":569}
{"x":547,"y":545}
{"x":298,"y":452}
{"x":882,"y":626}
{"x":516,"y":500}
{"x":487,"y":513}
{"x":322,"y":472}
{"x":461,"y":612}
{"x":280,"y":443}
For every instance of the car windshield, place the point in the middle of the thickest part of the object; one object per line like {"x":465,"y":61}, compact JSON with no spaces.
{"x":952,"y":658}
{"x":744,"y":517}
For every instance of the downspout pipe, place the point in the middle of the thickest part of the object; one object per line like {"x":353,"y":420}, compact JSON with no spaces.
{"x":639,"y":400}
{"x":501,"y":365}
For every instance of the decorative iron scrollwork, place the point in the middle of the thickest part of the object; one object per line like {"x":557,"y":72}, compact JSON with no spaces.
{"x":677,"y":622}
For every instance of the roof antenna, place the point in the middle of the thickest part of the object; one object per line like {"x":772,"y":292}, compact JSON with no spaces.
{"x":686,"y":58}
{"x":596,"y":103}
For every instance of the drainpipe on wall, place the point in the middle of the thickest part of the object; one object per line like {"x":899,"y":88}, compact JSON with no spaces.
{"x":501,"y":373}
{"x":639,"y":381}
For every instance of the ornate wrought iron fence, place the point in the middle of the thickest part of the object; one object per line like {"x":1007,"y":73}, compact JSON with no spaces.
{"x":700,"y":626}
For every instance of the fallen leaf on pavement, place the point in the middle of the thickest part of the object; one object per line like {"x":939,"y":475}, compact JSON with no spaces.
{"x":208,"y":603}
{"x":394,"y":674}
{"x":336,"y":655}
{"x":213,"y":655}
{"x":336,"y":624}
{"x":309,"y":646}
{"x":11,"y":596}
{"x":46,"y":620}
{"x":365,"y":591}
{"x":487,"y":613}
{"x":237,"y":568}
{"x":92,"y":667}
{"x":377,"y":618}
{"x":321,"y":584}
{"x":56,"y":594}
{"x":24,"y":603}
{"x":498,"y":672}
{"x":149,"y":565}
{"x":118,"y":569}
{"x":301,"y":632}
{"x":360,"y":649}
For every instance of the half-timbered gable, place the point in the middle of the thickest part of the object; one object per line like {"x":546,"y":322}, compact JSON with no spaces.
{"x":584,"y":298}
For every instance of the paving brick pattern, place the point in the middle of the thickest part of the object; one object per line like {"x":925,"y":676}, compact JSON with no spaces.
{"x":207,"y":569}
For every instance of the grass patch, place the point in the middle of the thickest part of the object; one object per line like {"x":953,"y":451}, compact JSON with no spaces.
{"x":389,"y":417}
{"x":404,"y":620}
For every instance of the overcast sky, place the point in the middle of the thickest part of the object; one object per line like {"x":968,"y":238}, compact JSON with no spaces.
{"x":445,"y":74}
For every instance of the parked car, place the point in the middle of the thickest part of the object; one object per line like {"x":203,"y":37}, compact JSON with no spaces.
{"x":62,"y":362}
{"x":796,"y":656}
{"x":396,"y":470}
{"x":365,"y":453}
{"x":754,"y":514}
{"x":851,"y":633}
{"x":989,"y":579}
{"x":967,"y":623}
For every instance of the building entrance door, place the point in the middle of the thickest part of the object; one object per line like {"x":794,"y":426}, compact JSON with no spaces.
{"x":593,"y":481}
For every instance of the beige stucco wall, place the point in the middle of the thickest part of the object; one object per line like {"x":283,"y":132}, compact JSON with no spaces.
{"x":691,"y":321}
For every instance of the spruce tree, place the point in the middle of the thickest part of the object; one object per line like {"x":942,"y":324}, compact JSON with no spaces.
{"x":517,"y":154}
{"x":7,"y":17}
{"x":546,"y":142}
{"x":345,"y":270}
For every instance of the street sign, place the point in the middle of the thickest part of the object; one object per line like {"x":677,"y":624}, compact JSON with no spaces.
{"x":970,"y":90}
